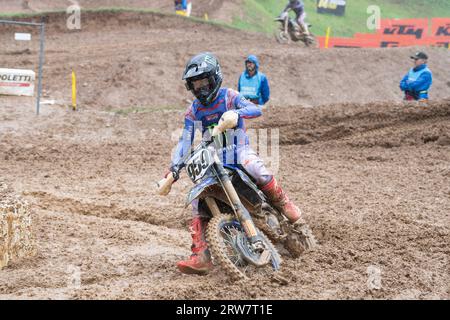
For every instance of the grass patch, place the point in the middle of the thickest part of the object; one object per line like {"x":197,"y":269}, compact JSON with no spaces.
{"x":28,"y":15}
{"x":147,"y":109}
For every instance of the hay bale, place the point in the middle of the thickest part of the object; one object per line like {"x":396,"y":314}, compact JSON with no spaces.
{"x":16,"y":240}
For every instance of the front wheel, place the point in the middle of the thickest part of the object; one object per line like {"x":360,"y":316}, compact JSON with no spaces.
{"x":222,"y":233}
{"x":282,"y":37}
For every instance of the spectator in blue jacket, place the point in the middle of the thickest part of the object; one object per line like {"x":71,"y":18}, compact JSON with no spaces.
{"x":253,"y":85}
{"x":418,"y":81}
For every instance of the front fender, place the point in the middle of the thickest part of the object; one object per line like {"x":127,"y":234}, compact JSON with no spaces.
{"x":199,"y":188}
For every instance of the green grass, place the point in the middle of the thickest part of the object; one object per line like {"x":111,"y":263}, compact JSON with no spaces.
{"x":258,"y":15}
{"x":131,"y":110}
{"x":11,"y":15}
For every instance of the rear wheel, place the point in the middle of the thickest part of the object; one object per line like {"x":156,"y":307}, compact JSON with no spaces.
{"x":310,"y":41}
{"x":299,"y":240}
{"x":222,"y":233}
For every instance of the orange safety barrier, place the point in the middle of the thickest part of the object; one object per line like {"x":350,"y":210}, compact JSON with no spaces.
{"x":390,"y":40}
{"x":398,"y":33}
{"x":348,"y":43}
{"x":380,"y":42}
{"x":439,"y":42}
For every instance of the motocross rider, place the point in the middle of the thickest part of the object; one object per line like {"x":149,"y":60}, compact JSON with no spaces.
{"x":299,"y":9}
{"x":203,"y":78}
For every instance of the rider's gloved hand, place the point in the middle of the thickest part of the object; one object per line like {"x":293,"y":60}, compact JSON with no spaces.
{"x":228,"y":120}
{"x":175,"y":171}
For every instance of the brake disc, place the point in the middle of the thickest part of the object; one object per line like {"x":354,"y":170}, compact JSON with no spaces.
{"x":258,"y":259}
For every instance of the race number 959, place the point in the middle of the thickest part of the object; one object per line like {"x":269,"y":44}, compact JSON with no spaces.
{"x":198,"y":164}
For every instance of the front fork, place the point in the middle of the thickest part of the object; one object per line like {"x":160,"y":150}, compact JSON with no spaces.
{"x":241,"y":212}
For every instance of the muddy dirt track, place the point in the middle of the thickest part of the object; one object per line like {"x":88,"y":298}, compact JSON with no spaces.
{"x":371,"y":176}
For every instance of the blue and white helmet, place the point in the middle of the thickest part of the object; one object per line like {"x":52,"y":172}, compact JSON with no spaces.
{"x":203,"y":66}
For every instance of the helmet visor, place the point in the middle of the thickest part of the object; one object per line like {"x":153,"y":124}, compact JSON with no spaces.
{"x":201,"y":87}
{"x":199,"y":84}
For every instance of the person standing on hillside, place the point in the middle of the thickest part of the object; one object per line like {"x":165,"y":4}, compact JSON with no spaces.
{"x":299,"y":9}
{"x":252,"y":84}
{"x":183,"y":7}
{"x":418,"y":80}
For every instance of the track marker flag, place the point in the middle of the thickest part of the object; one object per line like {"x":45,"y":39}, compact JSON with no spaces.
{"x":74,"y":91}
{"x":327,"y":37}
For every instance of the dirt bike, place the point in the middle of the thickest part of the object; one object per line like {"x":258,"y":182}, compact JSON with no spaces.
{"x":290,"y":30}
{"x":243,"y":222}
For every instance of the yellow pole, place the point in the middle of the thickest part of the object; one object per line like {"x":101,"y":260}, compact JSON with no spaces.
{"x":206,"y":17}
{"x":327,"y":37}
{"x":74,"y":91}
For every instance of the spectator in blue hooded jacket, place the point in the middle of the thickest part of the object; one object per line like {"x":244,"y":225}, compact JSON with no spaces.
{"x":418,"y":80}
{"x":253,"y":85}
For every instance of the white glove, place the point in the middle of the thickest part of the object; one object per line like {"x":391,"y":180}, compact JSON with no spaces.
{"x":228,"y":120}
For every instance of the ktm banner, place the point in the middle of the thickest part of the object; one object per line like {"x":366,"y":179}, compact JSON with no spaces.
{"x":336,"y":7}
{"x":441,"y":27}
{"x":398,"y":33}
{"x":405,"y":27}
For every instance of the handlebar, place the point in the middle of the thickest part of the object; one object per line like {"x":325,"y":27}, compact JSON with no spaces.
{"x":228,"y":120}
{"x":165,"y":185}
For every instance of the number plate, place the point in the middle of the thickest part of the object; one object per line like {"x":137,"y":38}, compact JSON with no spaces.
{"x":198,"y":164}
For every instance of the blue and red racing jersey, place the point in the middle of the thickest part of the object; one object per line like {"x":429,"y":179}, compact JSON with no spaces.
{"x":205,"y":118}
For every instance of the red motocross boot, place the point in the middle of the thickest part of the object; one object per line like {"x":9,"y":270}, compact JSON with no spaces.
{"x":280,"y":200}
{"x":200,"y":260}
